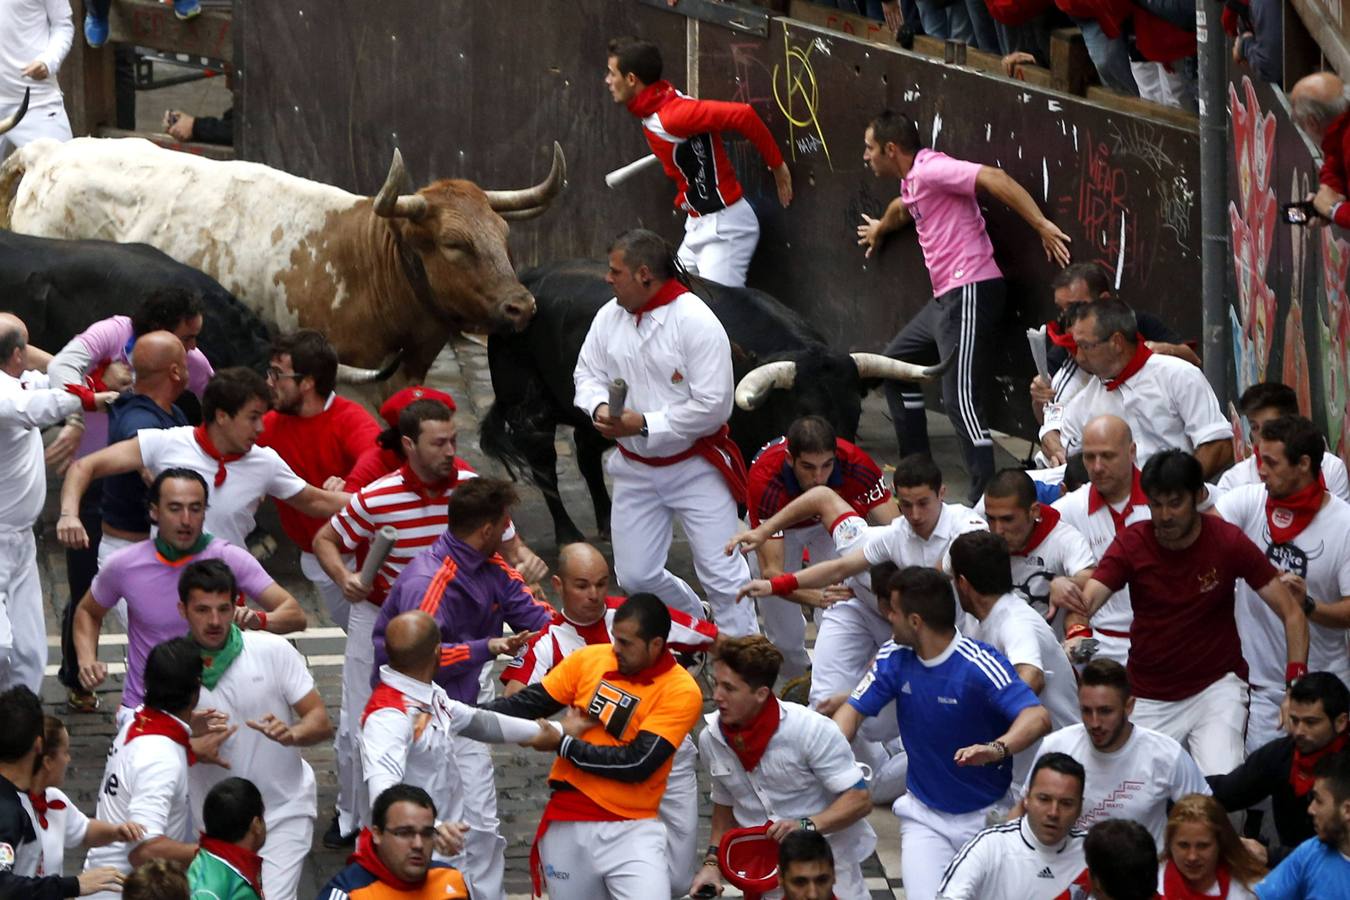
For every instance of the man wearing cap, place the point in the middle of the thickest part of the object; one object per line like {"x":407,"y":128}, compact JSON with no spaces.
{"x":386,"y":454}
{"x":413,"y":500}
{"x":319,"y":434}
{"x":783,"y":765}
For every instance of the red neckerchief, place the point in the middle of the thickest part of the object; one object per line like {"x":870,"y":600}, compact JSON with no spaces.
{"x":1288,"y":516}
{"x":750,"y":741}
{"x":428,"y":489}
{"x":1046,"y":524}
{"x":651,"y":98}
{"x":1301,"y":772}
{"x":209,"y":448}
{"x":245,"y":862}
{"x":1175,"y":886}
{"x":595,"y":633}
{"x":666,"y":293}
{"x":368,"y":858}
{"x":1061,"y":338}
{"x":1141,"y":355}
{"x":154,"y":721}
{"x":649,"y":674}
{"x":1137,"y":496}
{"x":41,"y":804}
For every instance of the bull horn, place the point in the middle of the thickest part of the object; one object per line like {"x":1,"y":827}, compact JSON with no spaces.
{"x":531,"y":201}
{"x":353,"y":375}
{"x":389,"y":203}
{"x":8,"y":123}
{"x":755,"y":386}
{"x":874,"y":365}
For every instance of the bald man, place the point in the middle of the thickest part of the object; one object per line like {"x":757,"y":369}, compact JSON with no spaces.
{"x":26,"y":407}
{"x":1319,"y":106}
{"x":1111,"y":500}
{"x":586,"y":616}
{"x":409,"y":723}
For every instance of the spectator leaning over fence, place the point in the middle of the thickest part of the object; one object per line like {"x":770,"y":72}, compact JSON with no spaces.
{"x":1257,"y":30}
{"x":939,"y":195}
{"x":96,"y":18}
{"x":1318,"y":105}
{"x":35,"y":36}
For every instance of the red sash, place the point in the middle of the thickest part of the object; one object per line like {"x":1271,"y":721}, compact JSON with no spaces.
{"x":711,"y":447}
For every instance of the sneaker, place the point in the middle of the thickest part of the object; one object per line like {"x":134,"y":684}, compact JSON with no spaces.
{"x":95,"y":31}
{"x":334,"y":839}
{"x":187,"y":9}
{"x":81,"y":701}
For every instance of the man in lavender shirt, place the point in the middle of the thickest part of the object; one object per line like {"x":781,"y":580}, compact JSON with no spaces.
{"x":146,"y":574}
{"x":938,"y":194}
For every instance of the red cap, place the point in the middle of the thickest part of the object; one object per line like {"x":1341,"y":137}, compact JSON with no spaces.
{"x":400,"y":401}
{"x":748,"y":858}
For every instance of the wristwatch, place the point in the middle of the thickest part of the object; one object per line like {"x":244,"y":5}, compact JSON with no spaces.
{"x":643,"y":430}
{"x":1309,"y":604}
{"x":806,"y":823}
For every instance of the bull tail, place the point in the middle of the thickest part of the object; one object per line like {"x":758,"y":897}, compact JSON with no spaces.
{"x":496,"y":440}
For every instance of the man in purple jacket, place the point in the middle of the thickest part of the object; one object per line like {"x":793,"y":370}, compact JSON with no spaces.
{"x":463,"y":583}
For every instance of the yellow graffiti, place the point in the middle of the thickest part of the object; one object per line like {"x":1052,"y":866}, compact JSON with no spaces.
{"x":802,"y":98}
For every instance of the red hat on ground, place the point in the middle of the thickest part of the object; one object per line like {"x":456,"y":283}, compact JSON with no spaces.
{"x":748,"y":858}
{"x":400,"y":401}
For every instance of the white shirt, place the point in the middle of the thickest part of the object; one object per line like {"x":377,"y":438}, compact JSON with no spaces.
{"x":1167,"y":403}
{"x":65,"y":831}
{"x":1026,"y":639}
{"x":804,"y":769}
{"x":898,"y":543}
{"x":850,"y":533}
{"x":677,"y":362}
{"x":1099,"y":530}
{"x":1008,"y":862}
{"x":23,"y":413}
{"x":1321,"y":556}
{"x":144,"y":781}
{"x":268,"y":676}
{"x":34,"y":30}
{"x":1333,"y":472}
{"x":1135,"y":782}
{"x":1064,"y":551}
{"x":230,"y":507}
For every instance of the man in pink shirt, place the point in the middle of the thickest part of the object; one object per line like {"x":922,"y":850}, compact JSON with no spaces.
{"x":938,"y":194}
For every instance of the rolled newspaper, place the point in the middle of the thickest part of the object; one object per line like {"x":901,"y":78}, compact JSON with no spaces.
{"x":379,"y":551}
{"x":623,"y":173}
{"x":618,"y":396}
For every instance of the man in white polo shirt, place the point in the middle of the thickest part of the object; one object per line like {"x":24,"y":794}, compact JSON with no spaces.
{"x":1111,"y":501}
{"x":1132,"y":772}
{"x":264,"y":686}
{"x":1167,"y":401}
{"x":222,"y":449}
{"x":780,"y":763}
{"x":1259,"y":404}
{"x":1304,"y":530}
{"x":1037,"y":856}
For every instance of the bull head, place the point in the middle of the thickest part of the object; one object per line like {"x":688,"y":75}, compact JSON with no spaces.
{"x":525,"y":203}
{"x":754,"y":388}
{"x":8,"y":123}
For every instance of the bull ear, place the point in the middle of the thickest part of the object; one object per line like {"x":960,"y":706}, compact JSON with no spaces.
{"x":389,"y":203}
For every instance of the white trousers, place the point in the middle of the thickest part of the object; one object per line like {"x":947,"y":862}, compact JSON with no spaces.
{"x":785,"y":621}
{"x":849,"y":637}
{"x":358,"y":663}
{"x":1157,"y":84}
{"x":1263,"y":720}
{"x":23,"y":632}
{"x":647,"y":499}
{"x":339,"y":609}
{"x":929,"y":840}
{"x":679,"y":813}
{"x":1116,"y":648}
{"x":1210,"y":724}
{"x":283,"y":856}
{"x":484,"y":847}
{"x":720,"y":245}
{"x":598,"y":860}
{"x":46,"y":121}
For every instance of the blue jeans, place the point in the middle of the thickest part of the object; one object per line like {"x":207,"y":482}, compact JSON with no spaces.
{"x":1111,"y":56}
{"x":967,"y":21}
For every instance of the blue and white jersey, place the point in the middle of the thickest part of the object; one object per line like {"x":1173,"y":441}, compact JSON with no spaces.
{"x":968,"y":694}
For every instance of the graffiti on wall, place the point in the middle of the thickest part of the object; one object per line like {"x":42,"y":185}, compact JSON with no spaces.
{"x":797,"y":94}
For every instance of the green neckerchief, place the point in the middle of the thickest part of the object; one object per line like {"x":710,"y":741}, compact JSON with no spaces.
{"x":215,"y":662}
{"x":173,"y":554}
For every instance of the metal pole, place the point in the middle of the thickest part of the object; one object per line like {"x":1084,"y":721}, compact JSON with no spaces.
{"x":1215,"y":255}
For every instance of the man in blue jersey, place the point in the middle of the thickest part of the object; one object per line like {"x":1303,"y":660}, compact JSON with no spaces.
{"x":963,"y":713}
{"x":1320,"y":868}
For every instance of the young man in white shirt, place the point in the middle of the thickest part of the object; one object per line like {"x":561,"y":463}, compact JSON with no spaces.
{"x":38,"y":35}
{"x":676,"y":458}
{"x":1305,"y":530}
{"x":1132,"y":772}
{"x":1262,"y":403}
{"x":1167,"y":401}
{"x":780,"y":763}
{"x":1037,"y":856}
{"x":262,"y":683}
{"x":1047,"y":554}
{"x":1111,"y":501}
{"x":222,"y":450}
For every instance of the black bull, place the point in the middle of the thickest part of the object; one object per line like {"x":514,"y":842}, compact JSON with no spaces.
{"x":532,"y":379}
{"x":59,"y":288}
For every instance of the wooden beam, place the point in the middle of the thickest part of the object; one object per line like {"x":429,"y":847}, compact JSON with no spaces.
{"x":148,"y":23}
{"x":87,"y":81}
{"x":1071,"y":68}
{"x":168,"y":142}
{"x":1140,"y":107}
